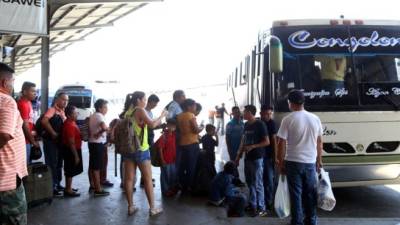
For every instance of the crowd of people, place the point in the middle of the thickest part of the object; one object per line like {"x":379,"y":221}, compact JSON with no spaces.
{"x":294,"y":150}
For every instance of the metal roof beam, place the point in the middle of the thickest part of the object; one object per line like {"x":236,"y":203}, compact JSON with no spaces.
{"x":64,"y":2}
{"x":52,"y":43}
{"x":81,"y":27}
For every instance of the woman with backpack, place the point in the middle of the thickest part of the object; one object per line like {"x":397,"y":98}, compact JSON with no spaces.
{"x":141,"y":157}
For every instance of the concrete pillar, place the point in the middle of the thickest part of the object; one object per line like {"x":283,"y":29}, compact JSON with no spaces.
{"x":44,"y":90}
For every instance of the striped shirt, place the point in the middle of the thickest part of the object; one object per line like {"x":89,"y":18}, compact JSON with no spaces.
{"x":12,"y":154}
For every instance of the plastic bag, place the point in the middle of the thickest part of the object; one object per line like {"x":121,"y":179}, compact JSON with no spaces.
{"x":282,"y":198}
{"x":326,"y":199}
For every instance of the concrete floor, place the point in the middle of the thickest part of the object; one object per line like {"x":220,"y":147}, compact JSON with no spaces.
{"x":361,"y":205}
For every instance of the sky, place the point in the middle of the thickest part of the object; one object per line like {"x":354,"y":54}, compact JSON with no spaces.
{"x":176,"y":44}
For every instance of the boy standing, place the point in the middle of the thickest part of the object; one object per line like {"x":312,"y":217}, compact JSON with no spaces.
{"x":167,"y":147}
{"x":254,"y":141}
{"x":209,"y":144}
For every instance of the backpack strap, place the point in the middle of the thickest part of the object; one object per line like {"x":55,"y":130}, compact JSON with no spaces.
{"x":141,"y":135}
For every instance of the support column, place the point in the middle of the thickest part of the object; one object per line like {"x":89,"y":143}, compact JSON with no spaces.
{"x":44,"y":89}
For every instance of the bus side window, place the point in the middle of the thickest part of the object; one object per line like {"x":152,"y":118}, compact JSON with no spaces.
{"x":236,"y":77}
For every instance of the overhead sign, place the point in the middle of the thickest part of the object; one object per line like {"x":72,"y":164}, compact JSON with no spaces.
{"x":23,"y":16}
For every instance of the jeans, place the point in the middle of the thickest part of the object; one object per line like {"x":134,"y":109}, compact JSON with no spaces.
{"x":168,"y":178}
{"x":253,"y":170}
{"x":187,"y":156}
{"x":221,"y":125}
{"x":303,"y":192}
{"x":28,"y":154}
{"x":269,"y":181}
{"x":53,"y":159}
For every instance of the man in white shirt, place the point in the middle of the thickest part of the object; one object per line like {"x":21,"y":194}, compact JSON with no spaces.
{"x":299,"y":156}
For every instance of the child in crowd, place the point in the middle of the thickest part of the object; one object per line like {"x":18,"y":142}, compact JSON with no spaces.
{"x":167,"y":147}
{"x":222,"y":189}
{"x":209,"y":144}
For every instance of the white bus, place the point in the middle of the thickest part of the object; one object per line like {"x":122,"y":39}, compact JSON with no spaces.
{"x":349,"y":72}
{"x":80,"y":96}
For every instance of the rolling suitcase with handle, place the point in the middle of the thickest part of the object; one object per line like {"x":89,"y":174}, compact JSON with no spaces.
{"x":38,"y":185}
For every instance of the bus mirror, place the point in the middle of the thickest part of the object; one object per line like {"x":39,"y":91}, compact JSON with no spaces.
{"x":275,"y":55}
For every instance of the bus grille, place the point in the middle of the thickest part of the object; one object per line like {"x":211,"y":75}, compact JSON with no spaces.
{"x":383,"y":146}
{"x":340,"y":147}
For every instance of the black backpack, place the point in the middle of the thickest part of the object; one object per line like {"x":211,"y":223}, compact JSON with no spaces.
{"x":39,"y":127}
{"x":56,"y":122}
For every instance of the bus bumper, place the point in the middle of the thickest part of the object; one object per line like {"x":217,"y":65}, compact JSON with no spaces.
{"x":360,"y":175}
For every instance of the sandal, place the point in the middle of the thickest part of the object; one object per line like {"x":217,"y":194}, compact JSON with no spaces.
{"x":155,"y":211}
{"x":132,"y":210}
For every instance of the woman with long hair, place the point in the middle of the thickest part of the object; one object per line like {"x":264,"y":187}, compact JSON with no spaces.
{"x":140,"y":158}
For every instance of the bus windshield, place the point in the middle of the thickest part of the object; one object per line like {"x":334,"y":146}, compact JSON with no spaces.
{"x":343,"y":82}
{"x":340,"y":68}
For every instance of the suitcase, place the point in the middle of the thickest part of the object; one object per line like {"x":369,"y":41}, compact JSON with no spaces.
{"x":38,"y":185}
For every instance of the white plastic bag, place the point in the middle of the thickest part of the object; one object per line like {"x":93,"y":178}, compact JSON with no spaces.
{"x":326,"y":199}
{"x":282,"y":198}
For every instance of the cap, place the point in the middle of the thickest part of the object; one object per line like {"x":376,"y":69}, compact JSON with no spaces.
{"x":296,"y":97}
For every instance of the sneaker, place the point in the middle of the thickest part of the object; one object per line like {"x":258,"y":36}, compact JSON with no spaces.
{"x":253,"y":213}
{"x":57,"y":193}
{"x":101,"y":193}
{"x":132,"y":210}
{"x":249,"y":208}
{"x":216,"y":203}
{"x":155,"y":211}
{"x":71,"y":194}
{"x":262,"y":213}
{"x":60,"y":188}
{"x":107,"y":184}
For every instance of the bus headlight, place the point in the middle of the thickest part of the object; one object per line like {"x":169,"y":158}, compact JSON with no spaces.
{"x":360,"y":148}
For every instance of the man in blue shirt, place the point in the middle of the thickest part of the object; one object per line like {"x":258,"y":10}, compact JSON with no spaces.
{"x":234,"y":132}
{"x":174,"y":108}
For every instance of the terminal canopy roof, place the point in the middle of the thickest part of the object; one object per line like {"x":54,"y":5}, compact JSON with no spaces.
{"x":71,"y":21}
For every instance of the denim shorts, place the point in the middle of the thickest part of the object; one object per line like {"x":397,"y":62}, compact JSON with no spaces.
{"x":137,"y":157}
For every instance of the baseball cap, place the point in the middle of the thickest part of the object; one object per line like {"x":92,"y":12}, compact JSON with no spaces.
{"x":296,"y":97}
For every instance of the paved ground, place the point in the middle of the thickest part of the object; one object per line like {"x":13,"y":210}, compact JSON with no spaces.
{"x":361,"y":205}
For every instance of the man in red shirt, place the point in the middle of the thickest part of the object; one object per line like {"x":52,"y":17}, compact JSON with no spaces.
{"x":28,"y":94}
{"x":12,"y":154}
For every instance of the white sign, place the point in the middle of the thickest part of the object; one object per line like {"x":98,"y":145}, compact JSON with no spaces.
{"x":301,"y":40}
{"x":23,"y":16}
